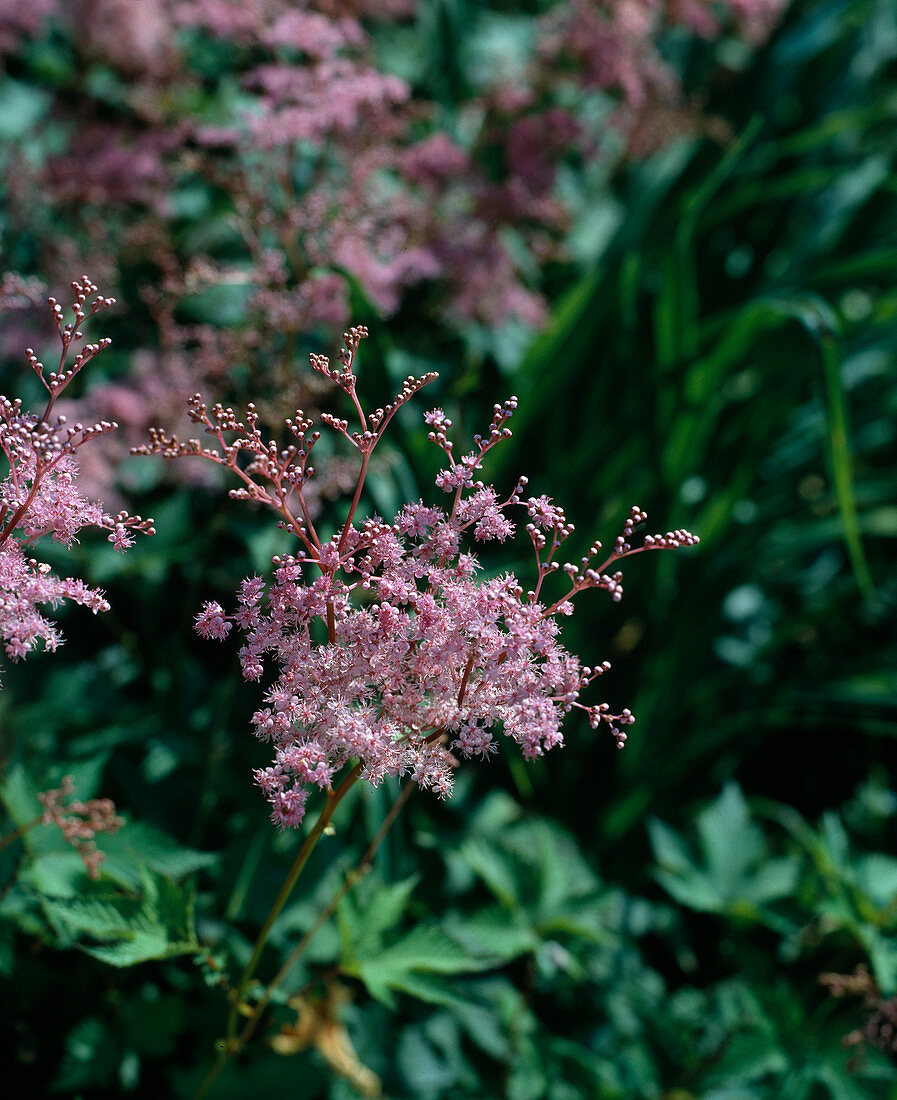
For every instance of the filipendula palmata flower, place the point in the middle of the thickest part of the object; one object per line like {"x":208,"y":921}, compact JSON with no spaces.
{"x":39,"y":496}
{"x":425,"y":659}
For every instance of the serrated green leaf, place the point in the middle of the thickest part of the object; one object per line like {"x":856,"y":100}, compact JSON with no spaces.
{"x":24,"y":911}
{"x":58,"y":873}
{"x":429,"y":950}
{"x":103,"y":918}
{"x":494,"y":867}
{"x":364,"y":920}
{"x":143,"y":947}
{"x":494,"y":933}
{"x":138,"y":846}
{"x":157,"y":925}
{"x":670,"y":851}
{"x":425,"y":950}
{"x":736,"y":876}
{"x":731,"y":842}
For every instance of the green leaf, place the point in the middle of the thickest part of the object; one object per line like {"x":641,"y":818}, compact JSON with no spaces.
{"x":224,"y":303}
{"x":478,"y":1019}
{"x":19,"y":791}
{"x":138,"y":846}
{"x":670,"y":851}
{"x":377,"y":908}
{"x":428,"y":1071}
{"x":748,"y":1057}
{"x":883,"y":957}
{"x":876,"y":877}
{"x":737,"y":876}
{"x":157,"y":925}
{"x":731,"y":842}
{"x":494,"y":933}
{"x":57,"y":874}
{"x":19,"y":795}
{"x":561,"y":875}
{"x":494,"y":814}
{"x":494,"y":867}
{"x":846,"y":1077}
{"x":834,"y":850}
{"x":425,"y":950}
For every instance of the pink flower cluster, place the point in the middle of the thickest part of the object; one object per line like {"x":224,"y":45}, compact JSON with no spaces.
{"x":39,"y":495}
{"x":334,"y":175}
{"x":617,"y":47}
{"x":389,"y":209}
{"x":79,"y":822}
{"x":389,"y":645}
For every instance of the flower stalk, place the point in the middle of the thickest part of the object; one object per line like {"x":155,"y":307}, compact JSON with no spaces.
{"x":233,"y":1043}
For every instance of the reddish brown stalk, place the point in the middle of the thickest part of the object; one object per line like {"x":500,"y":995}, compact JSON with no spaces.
{"x":19,"y":832}
{"x":356,"y":498}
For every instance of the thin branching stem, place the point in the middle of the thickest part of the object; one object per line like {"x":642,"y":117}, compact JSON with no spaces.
{"x":19,"y":832}
{"x":352,"y":878}
{"x":232,"y":1044}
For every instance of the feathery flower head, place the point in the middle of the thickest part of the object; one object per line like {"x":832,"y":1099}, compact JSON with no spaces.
{"x":39,"y":495}
{"x":423,"y":658}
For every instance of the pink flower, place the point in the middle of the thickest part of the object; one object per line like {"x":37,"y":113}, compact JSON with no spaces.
{"x":39,"y":496}
{"x":420,"y":656}
{"x":211,"y":622}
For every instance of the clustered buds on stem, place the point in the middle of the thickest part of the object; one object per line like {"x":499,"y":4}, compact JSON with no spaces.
{"x":39,"y":495}
{"x":79,"y":822}
{"x":422,"y":659}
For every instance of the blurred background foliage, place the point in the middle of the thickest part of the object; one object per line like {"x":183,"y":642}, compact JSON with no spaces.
{"x":710,"y":913}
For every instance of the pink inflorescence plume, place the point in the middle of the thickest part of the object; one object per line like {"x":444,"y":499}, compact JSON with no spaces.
{"x":39,"y":495}
{"x":79,"y":822}
{"x":389,"y":648}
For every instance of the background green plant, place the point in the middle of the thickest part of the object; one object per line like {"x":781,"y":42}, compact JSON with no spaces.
{"x":600,"y":924}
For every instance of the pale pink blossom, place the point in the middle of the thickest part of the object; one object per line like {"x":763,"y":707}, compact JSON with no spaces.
{"x":421,"y":657}
{"x":39,"y":496}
